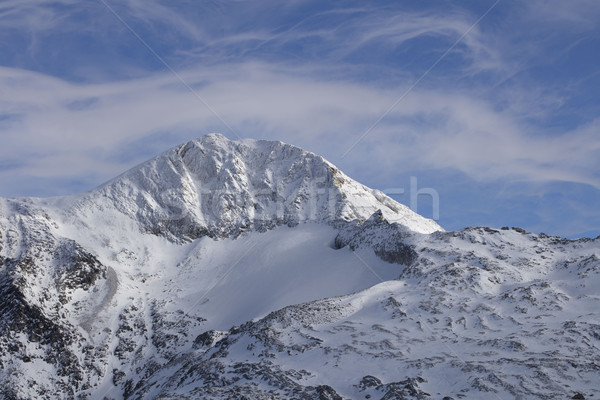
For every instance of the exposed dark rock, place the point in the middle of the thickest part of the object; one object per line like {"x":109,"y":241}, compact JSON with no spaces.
{"x":326,"y":392}
{"x":207,"y":338}
{"x":369,"y":382}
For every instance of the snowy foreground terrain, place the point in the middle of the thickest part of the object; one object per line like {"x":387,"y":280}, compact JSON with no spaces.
{"x":257,"y":270}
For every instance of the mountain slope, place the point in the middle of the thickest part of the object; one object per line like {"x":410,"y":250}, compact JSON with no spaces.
{"x":478,"y":314}
{"x":251,"y":268}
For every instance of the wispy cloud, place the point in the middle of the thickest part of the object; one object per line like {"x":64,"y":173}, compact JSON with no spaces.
{"x":218,"y":32}
{"x":578,"y":14}
{"x":61,"y":125}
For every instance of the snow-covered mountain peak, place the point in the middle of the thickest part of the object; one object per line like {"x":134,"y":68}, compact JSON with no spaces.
{"x":121,"y":293}
{"x":218,"y":187}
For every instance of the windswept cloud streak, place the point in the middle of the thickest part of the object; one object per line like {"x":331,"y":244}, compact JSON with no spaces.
{"x":56,"y":121}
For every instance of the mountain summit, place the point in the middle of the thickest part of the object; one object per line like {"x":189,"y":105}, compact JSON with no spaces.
{"x":217,"y":187}
{"x":257,"y":270}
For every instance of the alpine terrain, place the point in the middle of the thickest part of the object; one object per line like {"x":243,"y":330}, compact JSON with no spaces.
{"x":257,"y":270}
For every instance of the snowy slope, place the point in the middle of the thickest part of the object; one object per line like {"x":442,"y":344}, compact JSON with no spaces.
{"x":478,"y":314}
{"x":223,"y":269}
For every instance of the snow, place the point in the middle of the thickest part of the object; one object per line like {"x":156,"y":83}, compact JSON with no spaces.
{"x":239,"y":280}
{"x":231,"y":281}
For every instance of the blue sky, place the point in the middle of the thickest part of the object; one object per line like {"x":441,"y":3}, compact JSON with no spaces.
{"x":494,"y":104}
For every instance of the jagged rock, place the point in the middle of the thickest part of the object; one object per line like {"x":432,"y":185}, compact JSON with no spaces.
{"x":369,"y":382}
{"x":326,"y":392}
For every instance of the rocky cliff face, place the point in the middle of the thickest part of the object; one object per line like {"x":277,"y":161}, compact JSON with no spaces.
{"x":254,"y":269}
